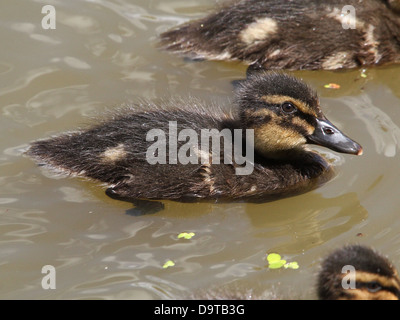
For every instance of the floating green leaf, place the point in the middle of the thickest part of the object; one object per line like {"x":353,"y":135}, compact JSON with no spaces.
{"x":277,"y":265}
{"x":275,"y":261}
{"x":273,"y":257}
{"x":186,"y":235}
{"x":291,"y":265}
{"x":169,"y":263}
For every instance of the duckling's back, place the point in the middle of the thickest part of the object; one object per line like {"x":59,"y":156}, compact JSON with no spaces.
{"x":115,"y":151}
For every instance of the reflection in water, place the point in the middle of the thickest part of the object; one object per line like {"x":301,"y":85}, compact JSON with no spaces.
{"x":310,"y":219}
{"x":383,"y":131}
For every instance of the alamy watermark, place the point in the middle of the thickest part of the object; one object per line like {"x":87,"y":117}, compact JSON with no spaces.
{"x":49,"y":20}
{"x":195,"y":152}
{"x":348,"y":17}
{"x":49,"y":280}
{"x":349,"y":280}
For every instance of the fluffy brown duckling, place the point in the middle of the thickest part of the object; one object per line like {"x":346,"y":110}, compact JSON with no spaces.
{"x":353,"y":272}
{"x":296,"y":34}
{"x":374,"y":277}
{"x":153,"y":152}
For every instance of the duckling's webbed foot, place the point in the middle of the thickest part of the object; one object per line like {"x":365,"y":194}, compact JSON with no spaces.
{"x":142,"y":207}
{"x":193,"y":59}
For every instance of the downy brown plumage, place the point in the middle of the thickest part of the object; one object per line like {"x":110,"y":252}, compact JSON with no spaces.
{"x":375,"y":277}
{"x":283,"y":112}
{"x":296,"y":34}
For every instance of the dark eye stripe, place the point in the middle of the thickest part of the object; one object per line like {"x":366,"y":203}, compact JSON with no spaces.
{"x":296,"y":127}
{"x":277,"y":110}
{"x":361,"y":285}
{"x":256,"y":120}
{"x":275,"y":100}
{"x":310,"y":119}
{"x":307,"y":117}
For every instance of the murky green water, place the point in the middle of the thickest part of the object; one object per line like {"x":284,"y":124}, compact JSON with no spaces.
{"x":102,"y":54}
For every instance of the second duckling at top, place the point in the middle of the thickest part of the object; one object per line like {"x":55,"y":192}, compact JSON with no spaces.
{"x":296,"y":34}
{"x":128,"y":153}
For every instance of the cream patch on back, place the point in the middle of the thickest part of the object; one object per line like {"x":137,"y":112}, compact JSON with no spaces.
{"x":114,"y":154}
{"x":259,"y":30}
{"x":372,"y":42}
{"x":337,"y":60}
{"x":208,"y":177}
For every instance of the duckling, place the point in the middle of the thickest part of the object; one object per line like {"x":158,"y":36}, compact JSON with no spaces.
{"x":373,"y":277}
{"x":294,"y":34}
{"x":143,"y":153}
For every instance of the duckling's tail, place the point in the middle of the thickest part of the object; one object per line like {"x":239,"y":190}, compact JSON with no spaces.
{"x":60,"y":154}
{"x":90,"y":154}
{"x":194,"y":42}
{"x":180,"y":41}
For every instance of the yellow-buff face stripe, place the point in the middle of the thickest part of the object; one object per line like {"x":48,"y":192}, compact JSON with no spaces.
{"x":278,"y":99}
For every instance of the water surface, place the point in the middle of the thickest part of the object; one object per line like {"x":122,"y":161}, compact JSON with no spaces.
{"x":102,"y":54}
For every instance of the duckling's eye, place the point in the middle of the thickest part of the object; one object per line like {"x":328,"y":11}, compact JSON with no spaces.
{"x":373,"y":286}
{"x":288,"y":107}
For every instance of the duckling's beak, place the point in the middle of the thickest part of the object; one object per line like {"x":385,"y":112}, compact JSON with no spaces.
{"x":327,"y":135}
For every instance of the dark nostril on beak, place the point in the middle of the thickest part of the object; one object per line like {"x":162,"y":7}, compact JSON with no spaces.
{"x":327,"y":135}
{"x":328,"y":130}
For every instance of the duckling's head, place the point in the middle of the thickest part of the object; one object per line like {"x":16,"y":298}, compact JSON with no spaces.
{"x":285,"y":114}
{"x":356,"y":272}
